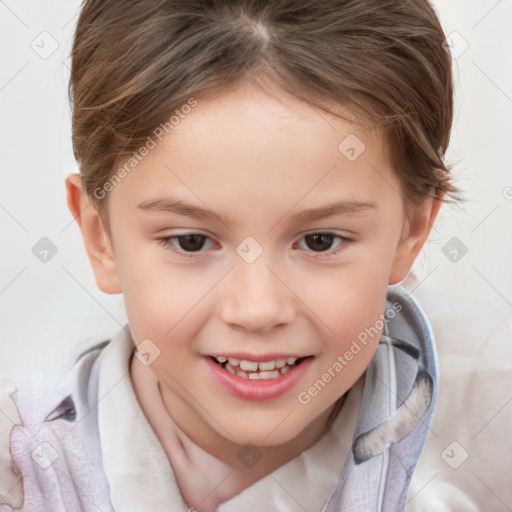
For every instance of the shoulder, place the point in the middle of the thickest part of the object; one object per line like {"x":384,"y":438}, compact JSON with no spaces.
{"x":37,"y":393}
{"x":464,"y":465}
{"x":50,"y":443}
{"x":11,"y":492}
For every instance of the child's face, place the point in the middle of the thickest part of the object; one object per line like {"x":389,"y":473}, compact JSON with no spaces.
{"x":241,"y":171}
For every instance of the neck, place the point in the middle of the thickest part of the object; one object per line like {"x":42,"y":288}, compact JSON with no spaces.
{"x":202,"y":458}
{"x":228,"y":451}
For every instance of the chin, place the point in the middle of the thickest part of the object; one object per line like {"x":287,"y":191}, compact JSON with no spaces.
{"x":266,"y":433}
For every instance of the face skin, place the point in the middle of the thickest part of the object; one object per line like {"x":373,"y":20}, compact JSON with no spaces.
{"x":256,"y":161}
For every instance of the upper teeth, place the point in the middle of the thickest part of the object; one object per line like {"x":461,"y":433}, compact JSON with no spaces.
{"x":249,"y":366}
{"x":254,"y":366}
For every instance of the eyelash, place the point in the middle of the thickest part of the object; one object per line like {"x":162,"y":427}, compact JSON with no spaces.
{"x":166,"y":242}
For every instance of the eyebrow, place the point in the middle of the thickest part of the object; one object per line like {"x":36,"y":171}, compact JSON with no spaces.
{"x":179,"y":207}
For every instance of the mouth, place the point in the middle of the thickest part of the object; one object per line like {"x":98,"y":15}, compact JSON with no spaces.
{"x":258,"y":370}
{"x":247,"y":379}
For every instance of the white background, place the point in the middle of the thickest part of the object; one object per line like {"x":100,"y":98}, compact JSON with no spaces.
{"x":47,"y":309}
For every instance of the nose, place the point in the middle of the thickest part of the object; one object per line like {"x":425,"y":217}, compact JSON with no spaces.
{"x":255,"y":298}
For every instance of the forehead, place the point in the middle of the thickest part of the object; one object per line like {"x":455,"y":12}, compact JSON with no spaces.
{"x":265,"y":147}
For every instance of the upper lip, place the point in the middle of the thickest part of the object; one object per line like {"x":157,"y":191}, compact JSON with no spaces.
{"x":258,"y":358}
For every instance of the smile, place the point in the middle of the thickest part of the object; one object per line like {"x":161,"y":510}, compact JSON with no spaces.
{"x":262,"y":370}
{"x":247,"y":379}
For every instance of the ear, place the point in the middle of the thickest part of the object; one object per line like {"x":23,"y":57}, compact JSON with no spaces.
{"x":415,"y":235}
{"x":97,"y":242}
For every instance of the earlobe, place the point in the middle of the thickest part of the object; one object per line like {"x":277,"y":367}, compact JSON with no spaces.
{"x":96,"y":240}
{"x":419,"y":228}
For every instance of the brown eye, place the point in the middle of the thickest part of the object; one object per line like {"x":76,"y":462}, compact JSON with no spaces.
{"x":187,"y":245}
{"x":192,"y":242}
{"x":319,"y":242}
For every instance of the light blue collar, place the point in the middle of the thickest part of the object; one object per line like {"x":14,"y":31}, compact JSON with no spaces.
{"x":396,"y":411}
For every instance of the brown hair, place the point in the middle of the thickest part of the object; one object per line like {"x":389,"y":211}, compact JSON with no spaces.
{"x":134,"y":62}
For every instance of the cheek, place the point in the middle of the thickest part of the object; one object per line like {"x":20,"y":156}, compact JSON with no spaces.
{"x":159,"y":297}
{"x":347,"y":299}
{"x":349,"y":306}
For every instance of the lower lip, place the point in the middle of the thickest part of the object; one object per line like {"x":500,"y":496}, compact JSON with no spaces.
{"x":256,"y":389}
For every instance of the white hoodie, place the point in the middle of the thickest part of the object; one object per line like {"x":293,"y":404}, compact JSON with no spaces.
{"x":466,"y":464}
